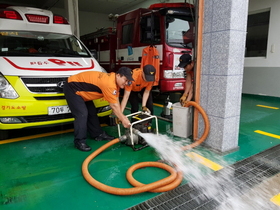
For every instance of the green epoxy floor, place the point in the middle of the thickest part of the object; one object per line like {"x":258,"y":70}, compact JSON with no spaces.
{"x":45,"y":173}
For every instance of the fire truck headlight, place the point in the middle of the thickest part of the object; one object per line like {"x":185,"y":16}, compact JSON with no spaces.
{"x":170,"y":12}
{"x":6,"y":90}
{"x":170,"y":74}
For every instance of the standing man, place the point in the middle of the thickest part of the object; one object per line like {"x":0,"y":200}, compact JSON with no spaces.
{"x":81,"y":89}
{"x":143,"y":83}
{"x":187,"y":63}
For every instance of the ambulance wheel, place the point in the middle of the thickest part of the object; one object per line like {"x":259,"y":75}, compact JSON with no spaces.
{"x":4,"y":134}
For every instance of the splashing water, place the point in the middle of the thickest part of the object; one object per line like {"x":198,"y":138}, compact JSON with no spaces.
{"x":223,"y":189}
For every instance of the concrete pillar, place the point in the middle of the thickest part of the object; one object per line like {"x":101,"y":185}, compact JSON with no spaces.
{"x":224,"y":35}
{"x":72,"y":9}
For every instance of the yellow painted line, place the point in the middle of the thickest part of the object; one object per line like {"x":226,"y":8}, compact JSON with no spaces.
{"x":35,"y":136}
{"x":276,"y":199}
{"x":267,"y":134}
{"x":40,"y":135}
{"x":160,"y":105}
{"x":204,"y":161}
{"x":269,"y":107}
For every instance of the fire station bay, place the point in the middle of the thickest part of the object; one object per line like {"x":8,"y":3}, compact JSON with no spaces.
{"x":159,"y":104}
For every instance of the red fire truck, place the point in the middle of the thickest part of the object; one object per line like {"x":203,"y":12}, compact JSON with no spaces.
{"x":169,"y":27}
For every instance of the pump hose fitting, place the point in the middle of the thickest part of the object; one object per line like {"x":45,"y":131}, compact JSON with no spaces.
{"x":137,"y":132}
{"x":123,"y":138}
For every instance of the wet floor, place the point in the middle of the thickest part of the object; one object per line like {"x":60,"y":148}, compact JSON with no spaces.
{"x":44,"y":171}
{"x":263,"y":196}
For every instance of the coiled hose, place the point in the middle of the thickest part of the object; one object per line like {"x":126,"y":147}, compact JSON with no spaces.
{"x":163,"y":185}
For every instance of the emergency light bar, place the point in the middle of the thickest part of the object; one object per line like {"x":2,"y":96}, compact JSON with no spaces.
{"x":33,"y":18}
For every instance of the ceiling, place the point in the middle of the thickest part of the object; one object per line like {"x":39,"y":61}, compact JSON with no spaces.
{"x":96,"y":6}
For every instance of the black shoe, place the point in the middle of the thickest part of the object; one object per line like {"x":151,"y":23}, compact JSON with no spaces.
{"x":104,"y":137}
{"x":82,"y":146}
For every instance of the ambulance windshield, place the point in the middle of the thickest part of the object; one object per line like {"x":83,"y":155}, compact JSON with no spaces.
{"x":179,"y":32}
{"x":30,"y":43}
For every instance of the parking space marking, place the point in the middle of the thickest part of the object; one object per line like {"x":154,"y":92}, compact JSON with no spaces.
{"x":267,"y":134}
{"x":160,"y":105}
{"x":204,"y":161}
{"x":276,"y":199}
{"x":269,"y":107}
{"x":40,"y":135}
{"x":35,"y":136}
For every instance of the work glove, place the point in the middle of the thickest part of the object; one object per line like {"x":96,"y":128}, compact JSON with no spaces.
{"x":146,"y":110}
{"x":114,"y":120}
{"x":117,"y":120}
{"x":183,"y":99}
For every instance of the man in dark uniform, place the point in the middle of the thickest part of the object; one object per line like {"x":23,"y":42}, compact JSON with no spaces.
{"x":81,"y":89}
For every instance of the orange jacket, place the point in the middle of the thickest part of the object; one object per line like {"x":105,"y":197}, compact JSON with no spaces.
{"x":139,"y":83}
{"x":91,"y":85}
{"x":150,"y":56}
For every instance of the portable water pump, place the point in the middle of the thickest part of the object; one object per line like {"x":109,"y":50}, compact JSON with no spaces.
{"x":141,"y":123}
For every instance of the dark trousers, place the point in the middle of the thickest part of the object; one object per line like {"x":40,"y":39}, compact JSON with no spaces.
{"x":85,"y":115}
{"x":134,"y":100}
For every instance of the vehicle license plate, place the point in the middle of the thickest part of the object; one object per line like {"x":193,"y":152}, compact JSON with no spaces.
{"x":53,"y":110}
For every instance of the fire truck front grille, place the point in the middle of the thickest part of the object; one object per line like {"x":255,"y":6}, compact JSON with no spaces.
{"x":42,"y":118}
{"x":44,"y":85}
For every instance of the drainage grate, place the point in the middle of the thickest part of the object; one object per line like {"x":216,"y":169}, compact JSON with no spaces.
{"x":245,"y":174}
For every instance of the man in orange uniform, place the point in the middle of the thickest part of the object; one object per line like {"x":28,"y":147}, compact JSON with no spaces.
{"x":143,"y":83}
{"x":81,"y":89}
{"x":187,"y":63}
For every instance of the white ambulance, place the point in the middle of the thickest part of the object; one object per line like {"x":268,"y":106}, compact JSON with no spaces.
{"x":37,"y":53}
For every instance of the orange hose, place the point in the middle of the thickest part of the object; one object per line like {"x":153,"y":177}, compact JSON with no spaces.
{"x":163,"y":185}
{"x":206,"y":125}
{"x":166,"y":183}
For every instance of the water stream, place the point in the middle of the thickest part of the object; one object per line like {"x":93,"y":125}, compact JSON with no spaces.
{"x":223,"y":189}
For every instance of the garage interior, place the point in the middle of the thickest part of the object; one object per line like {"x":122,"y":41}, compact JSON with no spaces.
{"x":40,"y":169}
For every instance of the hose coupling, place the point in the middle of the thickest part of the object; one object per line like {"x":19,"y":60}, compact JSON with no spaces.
{"x":123,"y":138}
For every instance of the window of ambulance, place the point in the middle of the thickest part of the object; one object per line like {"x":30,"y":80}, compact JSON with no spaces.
{"x":29,"y":43}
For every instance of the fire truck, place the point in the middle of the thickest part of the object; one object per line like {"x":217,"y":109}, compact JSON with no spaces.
{"x":169,"y":27}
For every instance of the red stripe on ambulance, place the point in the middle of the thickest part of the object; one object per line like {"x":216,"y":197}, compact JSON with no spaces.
{"x":55,"y":61}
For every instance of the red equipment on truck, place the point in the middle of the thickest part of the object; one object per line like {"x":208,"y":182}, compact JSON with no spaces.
{"x":167,"y":27}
